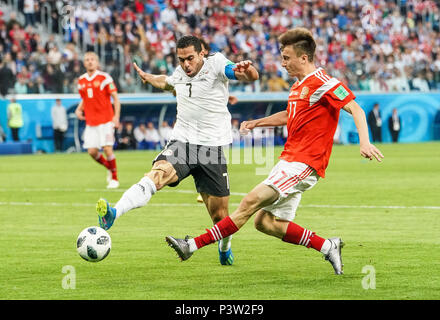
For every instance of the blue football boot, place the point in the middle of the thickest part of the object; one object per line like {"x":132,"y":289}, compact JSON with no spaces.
{"x":226,"y":258}
{"x":106,"y":214}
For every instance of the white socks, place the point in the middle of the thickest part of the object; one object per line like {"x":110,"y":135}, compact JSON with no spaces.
{"x":326,"y":246}
{"x":225,"y":244}
{"x":192,"y":245}
{"x":136,"y":196}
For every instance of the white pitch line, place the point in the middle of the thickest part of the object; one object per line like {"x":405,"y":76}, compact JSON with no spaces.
{"x":332,"y":206}
{"x":58,"y":204}
{"x":98,"y":190}
{"x":336,"y":206}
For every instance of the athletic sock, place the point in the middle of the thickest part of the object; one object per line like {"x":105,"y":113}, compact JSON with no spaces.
{"x":225,"y":244}
{"x":136,"y":196}
{"x":112,"y":166}
{"x":224,"y":228}
{"x":101,"y":160}
{"x":298,"y":235}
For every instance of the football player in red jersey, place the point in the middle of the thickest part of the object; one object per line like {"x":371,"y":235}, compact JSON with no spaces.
{"x":311,"y":116}
{"x":96,"y":89}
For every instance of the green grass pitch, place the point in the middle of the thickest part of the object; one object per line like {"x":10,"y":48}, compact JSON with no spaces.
{"x":387,"y":213}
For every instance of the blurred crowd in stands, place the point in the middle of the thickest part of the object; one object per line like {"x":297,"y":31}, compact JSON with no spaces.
{"x":144,"y":136}
{"x":375,"y":46}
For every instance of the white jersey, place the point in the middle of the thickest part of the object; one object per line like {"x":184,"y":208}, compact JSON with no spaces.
{"x":203,"y":117}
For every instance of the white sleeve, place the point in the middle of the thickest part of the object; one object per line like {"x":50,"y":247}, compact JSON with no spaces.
{"x":108,"y":79}
{"x":172,"y":79}
{"x":219,"y":63}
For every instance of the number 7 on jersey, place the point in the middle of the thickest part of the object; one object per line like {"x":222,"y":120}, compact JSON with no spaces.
{"x":190,"y":87}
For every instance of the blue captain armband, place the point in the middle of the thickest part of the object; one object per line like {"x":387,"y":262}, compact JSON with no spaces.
{"x":230,"y":74}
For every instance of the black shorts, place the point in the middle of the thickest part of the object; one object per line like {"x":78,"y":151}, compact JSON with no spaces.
{"x":207,"y":165}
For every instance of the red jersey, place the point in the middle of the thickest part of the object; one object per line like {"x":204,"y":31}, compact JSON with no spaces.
{"x":95,"y":91}
{"x":313,"y":113}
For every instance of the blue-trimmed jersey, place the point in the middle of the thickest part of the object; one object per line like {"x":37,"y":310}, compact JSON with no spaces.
{"x":229,"y":72}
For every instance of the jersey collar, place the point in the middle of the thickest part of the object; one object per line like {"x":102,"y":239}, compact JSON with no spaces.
{"x":90,"y":78}
{"x":298,"y":83}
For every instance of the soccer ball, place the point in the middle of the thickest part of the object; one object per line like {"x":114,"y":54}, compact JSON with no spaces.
{"x":93,"y":244}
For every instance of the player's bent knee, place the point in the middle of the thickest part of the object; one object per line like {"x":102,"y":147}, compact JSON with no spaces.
{"x":258,"y":222}
{"x":108,"y":150}
{"x":162,"y":174}
{"x":250,"y":203}
{"x":261,"y":221}
{"x":93,"y":152}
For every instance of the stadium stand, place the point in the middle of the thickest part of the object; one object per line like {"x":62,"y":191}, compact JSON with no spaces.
{"x":375,"y":47}
{"x":380,"y":46}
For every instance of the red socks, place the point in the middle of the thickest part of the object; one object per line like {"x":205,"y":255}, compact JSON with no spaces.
{"x":298,"y":235}
{"x":109,"y":163}
{"x":112,"y":167}
{"x":295,"y":234}
{"x":102,"y":160}
{"x":224,"y":228}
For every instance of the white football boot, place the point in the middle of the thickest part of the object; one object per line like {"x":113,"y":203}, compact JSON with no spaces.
{"x":113,"y":184}
{"x":334,"y":255}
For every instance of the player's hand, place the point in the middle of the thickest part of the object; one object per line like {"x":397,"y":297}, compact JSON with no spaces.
{"x":80,"y":115}
{"x":242,"y":66}
{"x":246,"y":127}
{"x":369,"y":151}
{"x":141,"y":73}
{"x":232,"y":100}
{"x":116,"y":122}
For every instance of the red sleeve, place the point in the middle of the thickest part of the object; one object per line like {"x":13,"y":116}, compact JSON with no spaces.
{"x":110,"y":88}
{"x":338,"y":96}
{"x":80,"y":91}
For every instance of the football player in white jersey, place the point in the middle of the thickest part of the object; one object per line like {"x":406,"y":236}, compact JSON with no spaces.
{"x":202,"y":127}
{"x":231,"y":100}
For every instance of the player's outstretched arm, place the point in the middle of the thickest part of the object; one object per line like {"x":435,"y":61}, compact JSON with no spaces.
{"x":367,"y":150}
{"x":158,"y":81}
{"x":245,"y":71}
{"x":275,"y":120}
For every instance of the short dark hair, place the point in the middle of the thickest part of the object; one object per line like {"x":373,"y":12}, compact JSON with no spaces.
{"x":205,"y":44}
{"x":301,"y":39}
{"x":188,"y":41}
